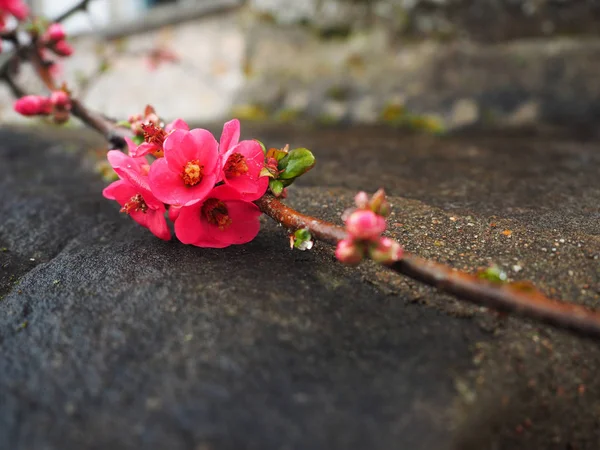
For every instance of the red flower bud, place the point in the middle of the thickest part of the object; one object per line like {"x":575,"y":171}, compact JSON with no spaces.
{"x":60,"y":100}
{"x":33,"y":105}
{"x":62,"y":48}
{"x":348,"y":252}
{"x":386,"y":251}
{"x":55,"y":33}
{"x":365,"y":224}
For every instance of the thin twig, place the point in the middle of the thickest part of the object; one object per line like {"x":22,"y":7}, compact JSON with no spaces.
{"x":21,"y":52}
{"x":10,"y":36}
{"x":99,"y":123}
{"x":519,"y":298}
{"x":81,"y":6}
{"x":16,"y":90}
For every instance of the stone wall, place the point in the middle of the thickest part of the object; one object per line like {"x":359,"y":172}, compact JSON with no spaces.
{"x":440,"y":64}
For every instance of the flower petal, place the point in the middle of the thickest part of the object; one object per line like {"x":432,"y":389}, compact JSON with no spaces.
{"x":230,"y":135}
{"x":157,"y":224}
{"x":177,"y":124}
{"x":144,"y":149}
{"x":244,"y":223}
{"x":208,"y":149}
{"x":189,"y":227}
{"x":120,"y":190}
{"x":251,"y":185}
{"x":177,"y":145}
{"x":128,"y":168}
{"x":174,"y":212}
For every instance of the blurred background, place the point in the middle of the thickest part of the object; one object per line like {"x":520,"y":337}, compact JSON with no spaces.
{"x":435,"y":65}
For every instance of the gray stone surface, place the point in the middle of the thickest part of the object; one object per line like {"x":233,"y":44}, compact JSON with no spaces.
{"x":460,"y":63}
{"x":459,"y":83}
{"x":482,"y":20}
{"x":110,"y":338}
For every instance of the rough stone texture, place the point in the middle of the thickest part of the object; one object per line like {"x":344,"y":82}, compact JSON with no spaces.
{"x":483,"y":20}
{"x":369,"y":74}
{"x":207,"y":71}
{"x":110,"y":338}
{"x":331,"y":62}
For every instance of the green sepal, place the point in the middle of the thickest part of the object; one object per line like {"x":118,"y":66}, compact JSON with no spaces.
{"x":276,"y":187}
{"x":124,"y":123}
{"x":493,"y":274}
{"x":265,"y":172}
{"x":137,"y":139}
{"x":262,"y":146}
{"x":296,"y":163}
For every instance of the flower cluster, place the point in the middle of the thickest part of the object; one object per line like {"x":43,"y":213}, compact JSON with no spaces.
{"x":57,"y":105}
{"x":364,"y":225}
{"x":207,"y":187}
{"x":15,"y":8}
{"x":55,"y":39}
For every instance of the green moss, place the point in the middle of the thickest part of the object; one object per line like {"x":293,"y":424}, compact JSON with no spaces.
{"x":397,"y":115}
{"x":393,"y":113}
{"x":250,"y":112}
{"x":338,"y":93}
{"x":335,"y":32}
{"x":327,"y":119}
{"x":288,"y":115}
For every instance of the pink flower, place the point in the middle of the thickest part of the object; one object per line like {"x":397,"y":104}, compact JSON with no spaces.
{"x":15,"y":7}
{"x":154,"y":136}
{"x":365,"y":224}
{"x":220,"y":220}
{"x":348,"y":252}
{"x":137,"y":120}
{"x":55,"y":32}
{"x":33,"y":105}
{"x":141,"y":205}
{"x":242,"y":163}
{"x":362,"y":200}
{"x":189,"y":169}
{"x":133,"y":193}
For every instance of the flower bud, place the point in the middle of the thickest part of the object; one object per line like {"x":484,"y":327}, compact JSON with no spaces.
{"x":379,"y":204}
{"x":348,"y":252}
{"x":365,"y":224}
{"x":386,"y":251}
{"x":60,"y":100}
{"x":361,"y":200}
{"x":62,"y":48}
{"x":55,"y":33}
{"x":33,"y":105}
{"x":17,"y":8}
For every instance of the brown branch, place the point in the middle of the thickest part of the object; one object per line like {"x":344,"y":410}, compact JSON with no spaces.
{"x":10,"y":36}
{"x":81,"y":6}
{"x":518,"y":298}
{"x":16,"y":90}
{"x":22,"y":51}
{"x":99,"y":123}
{"x":293,"y":220}
{"x":94,"y":120}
